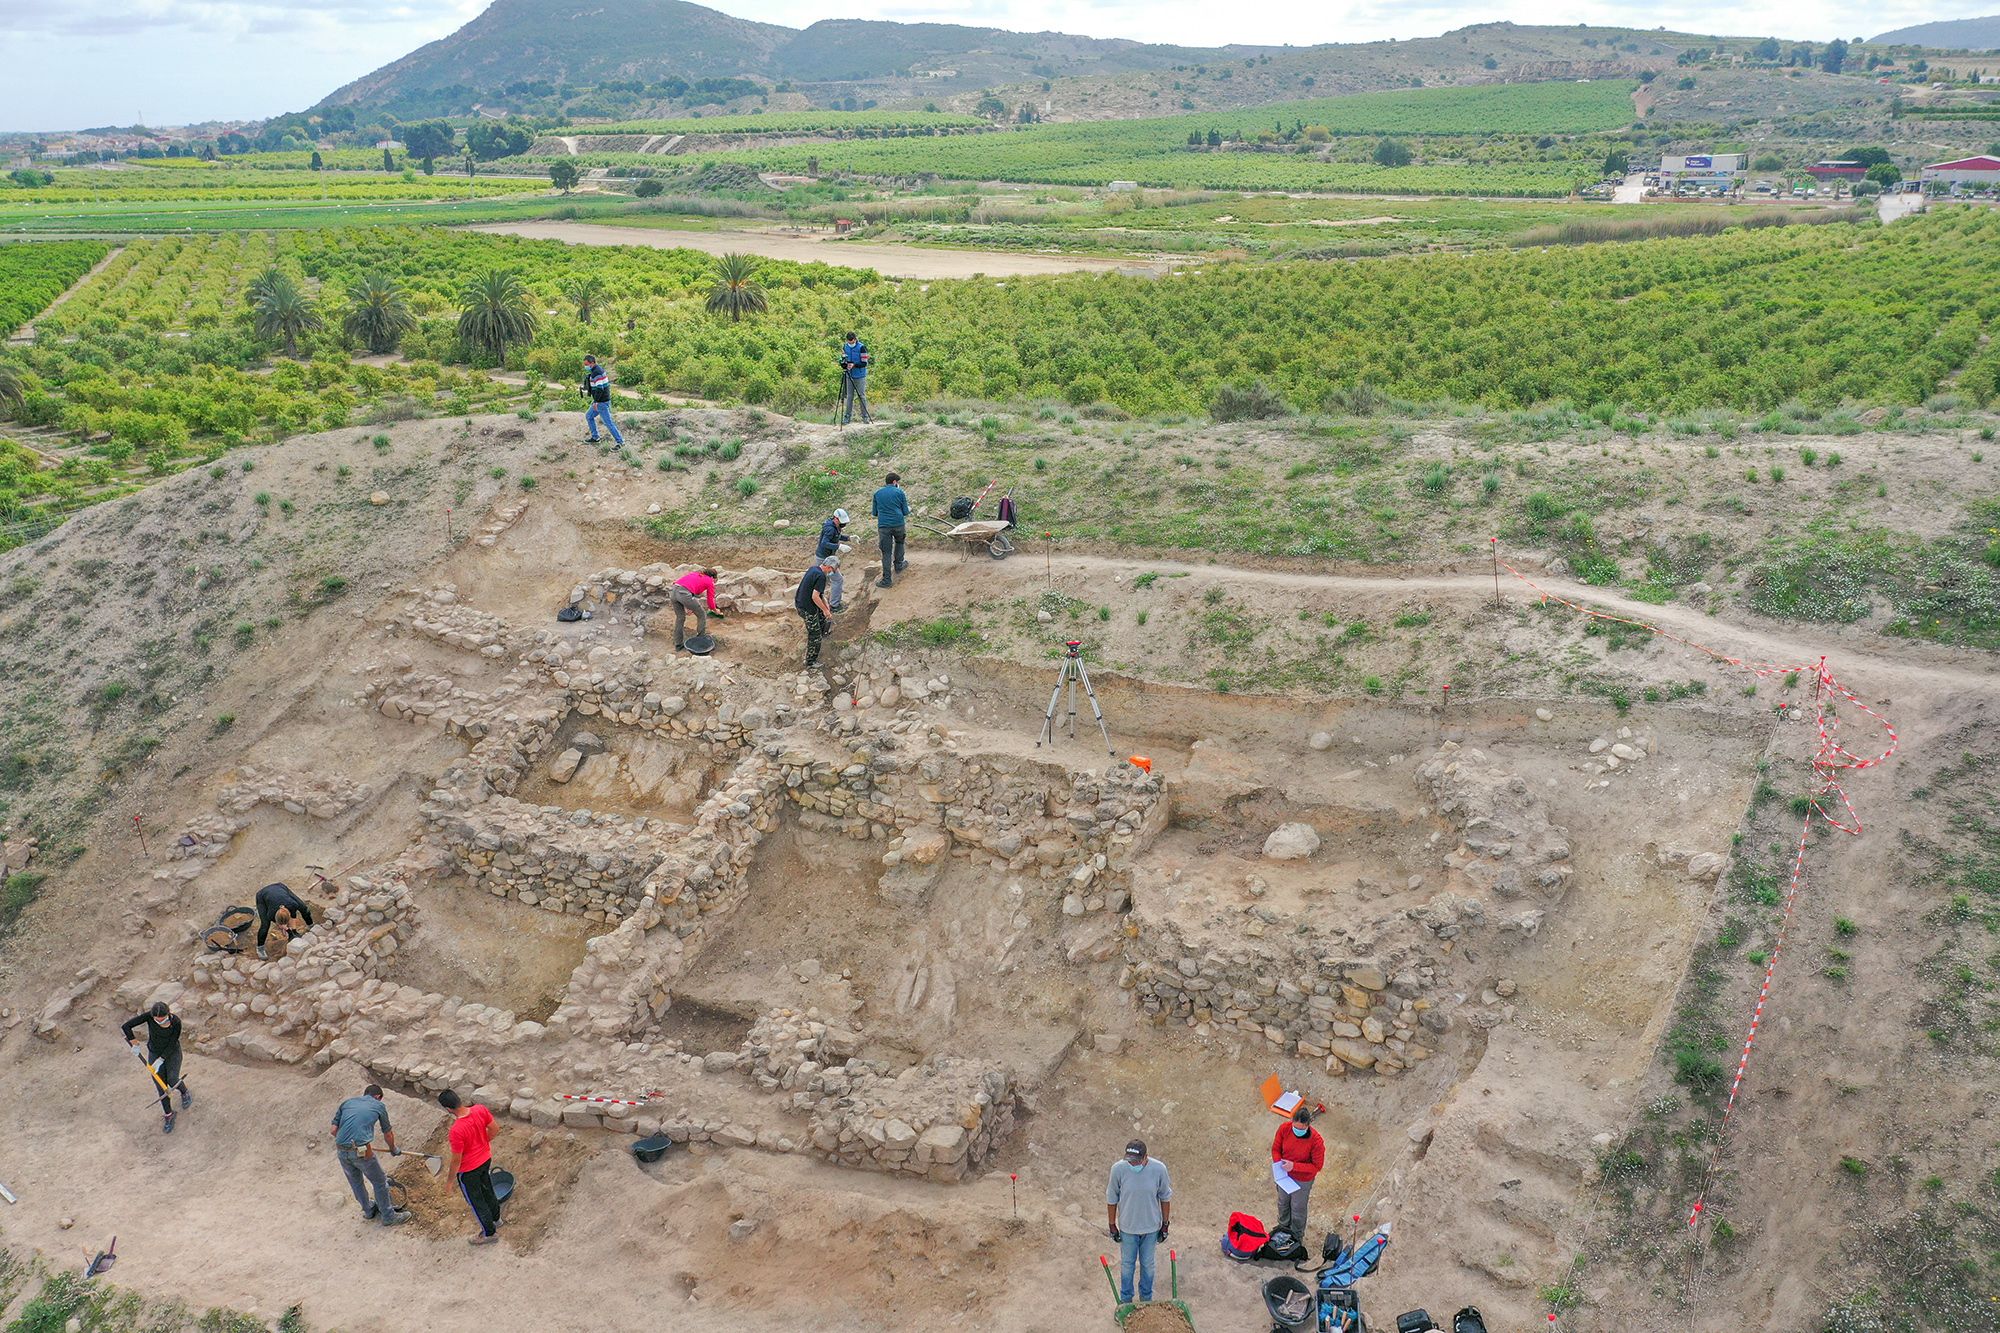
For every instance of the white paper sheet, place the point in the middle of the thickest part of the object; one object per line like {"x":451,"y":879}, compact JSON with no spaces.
{"x":1283,"y":1177}
{"x":1287,"y":1103}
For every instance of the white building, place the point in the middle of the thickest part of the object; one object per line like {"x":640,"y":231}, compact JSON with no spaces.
{"x":1704,"y":169}
{"x":1980,"y":172}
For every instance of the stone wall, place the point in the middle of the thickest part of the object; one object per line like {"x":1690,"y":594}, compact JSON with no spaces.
{"x":1077,"y":831}
{"x":941,"y":1119}
{"x":576,"y":862}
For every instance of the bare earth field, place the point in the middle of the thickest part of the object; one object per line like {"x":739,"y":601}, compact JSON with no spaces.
{"x":900,"y":981}
{"x":891,"y":261}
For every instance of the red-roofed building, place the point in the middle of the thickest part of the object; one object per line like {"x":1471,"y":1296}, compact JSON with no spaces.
{"x":1837,"y":171}
{"x":1982,"y":171}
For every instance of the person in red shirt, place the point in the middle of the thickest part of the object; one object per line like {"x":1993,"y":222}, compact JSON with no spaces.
{"x":693,"y":591}
{"x":1299,"y":1146}
{"x":471,"y":1160}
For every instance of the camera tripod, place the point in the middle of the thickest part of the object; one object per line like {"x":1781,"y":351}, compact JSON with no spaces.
{"x":1072,"y":674}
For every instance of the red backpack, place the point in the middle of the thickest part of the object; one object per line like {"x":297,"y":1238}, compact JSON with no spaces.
{"x":1244,"y":1238}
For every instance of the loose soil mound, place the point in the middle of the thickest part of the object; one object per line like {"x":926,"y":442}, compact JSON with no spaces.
{"x":1158,"y":1317}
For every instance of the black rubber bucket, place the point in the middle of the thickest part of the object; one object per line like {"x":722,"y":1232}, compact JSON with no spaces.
{"x":503,"y":1185}
{"x":652,"y":1148}
{"x":701,"y":645}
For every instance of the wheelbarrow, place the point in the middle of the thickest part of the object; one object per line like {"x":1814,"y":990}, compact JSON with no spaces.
{"x":989,"y":534}
{"x":1123,"y":1311}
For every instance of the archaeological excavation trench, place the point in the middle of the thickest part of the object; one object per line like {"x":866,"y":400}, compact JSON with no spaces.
{"x":866,"y":919}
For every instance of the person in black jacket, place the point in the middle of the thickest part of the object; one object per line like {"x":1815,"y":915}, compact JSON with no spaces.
{"x":162,"y":1053}
{"x":597,"y":386}
{"x":277,"y":903}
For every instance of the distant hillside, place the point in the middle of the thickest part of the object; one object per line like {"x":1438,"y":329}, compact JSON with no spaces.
{"x":1949,"y":34}
{"x":574,"y":42}
{"x":583,"y":43}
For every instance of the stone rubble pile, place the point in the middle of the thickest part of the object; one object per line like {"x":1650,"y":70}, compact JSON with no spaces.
{"x":321,"y":795}
{"x":644,"y":591}
{"x":1508,"y":848}
{"x":1627,"y":747}
{"x":503,"y":518}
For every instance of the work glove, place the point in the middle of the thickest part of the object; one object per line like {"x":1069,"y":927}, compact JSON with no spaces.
{"x":395,"y":1152}
{"x":1115,"y":1233}
{"x":1163,"y":1233}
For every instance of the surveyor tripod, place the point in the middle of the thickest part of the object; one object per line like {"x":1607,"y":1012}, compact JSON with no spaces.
{"x":1073,"y":673}
{"x":853,"y":394}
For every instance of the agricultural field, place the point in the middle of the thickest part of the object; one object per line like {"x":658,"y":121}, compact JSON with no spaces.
{"x":154,"y":363}
{"x":95,"y":186}
{"x":33,"y":276}
{"x":1494,"y":140}
{"x":1749,"y":319}
{"x":790,"y":122}
{"x":184,"y":215}
{"x":1263,"y":226}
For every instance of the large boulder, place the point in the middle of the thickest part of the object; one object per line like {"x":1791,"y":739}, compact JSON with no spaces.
{"x":1291,"y":842}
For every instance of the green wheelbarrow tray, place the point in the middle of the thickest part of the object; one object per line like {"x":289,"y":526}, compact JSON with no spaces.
{"x":1126,"y":1310}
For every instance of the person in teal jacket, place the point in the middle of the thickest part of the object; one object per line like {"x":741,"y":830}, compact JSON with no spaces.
{"x":892,"y":523}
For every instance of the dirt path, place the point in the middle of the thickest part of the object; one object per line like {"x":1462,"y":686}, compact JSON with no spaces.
{"x":1935,"y":667}
{"x":26,"y":333}
{"x":892,"y":261}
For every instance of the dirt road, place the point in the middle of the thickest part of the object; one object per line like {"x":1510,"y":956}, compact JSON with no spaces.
{"x":891,"y":261}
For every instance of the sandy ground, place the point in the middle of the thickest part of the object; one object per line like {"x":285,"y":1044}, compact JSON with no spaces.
{"x":1481,"y":1158}
{"x":891,"y":261}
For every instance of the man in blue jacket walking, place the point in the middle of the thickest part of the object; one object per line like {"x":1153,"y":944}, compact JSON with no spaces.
{"x":892,"y":521}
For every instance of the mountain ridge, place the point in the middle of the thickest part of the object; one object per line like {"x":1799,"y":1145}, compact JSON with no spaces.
{"x":1975,"y":34}
{"x":589,"y":42}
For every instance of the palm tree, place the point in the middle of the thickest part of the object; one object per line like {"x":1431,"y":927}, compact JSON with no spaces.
{"x":585,"y":292}
{"x":280,"y":309}
{"x":377,"y":314}
{"x":13,"y":388}
{"x":496,"y":313}
{"x":735,"y":288}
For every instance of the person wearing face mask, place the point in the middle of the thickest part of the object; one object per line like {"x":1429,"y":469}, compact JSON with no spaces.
{"x":1302,"y":1152}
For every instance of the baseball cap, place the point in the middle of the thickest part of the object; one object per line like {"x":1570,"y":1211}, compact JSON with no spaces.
{"x":831,"y":562}
{"x":1136,"y":1148}
{"x":840,"y":516}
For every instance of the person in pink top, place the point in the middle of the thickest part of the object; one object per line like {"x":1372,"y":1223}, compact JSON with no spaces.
{"x":693,"y":591}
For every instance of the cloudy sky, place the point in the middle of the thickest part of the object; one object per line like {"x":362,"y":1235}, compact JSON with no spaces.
{"x":72,"y":63}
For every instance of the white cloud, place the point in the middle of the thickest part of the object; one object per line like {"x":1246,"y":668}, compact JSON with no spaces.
{"x":93,"y":61}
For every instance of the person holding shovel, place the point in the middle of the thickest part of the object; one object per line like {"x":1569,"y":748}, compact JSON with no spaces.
{"x":353,"y":1143}
{"x":162,"y":1055}
{"x":471,"y":1161}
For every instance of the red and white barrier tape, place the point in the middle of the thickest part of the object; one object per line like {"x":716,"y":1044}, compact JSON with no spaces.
{"x":1829,"y":758}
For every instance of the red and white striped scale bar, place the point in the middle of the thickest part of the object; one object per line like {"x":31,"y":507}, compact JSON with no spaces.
{"x":609,"y":1101}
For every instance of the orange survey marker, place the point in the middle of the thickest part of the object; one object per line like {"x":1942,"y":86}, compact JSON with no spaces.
{"x":1281,"y":1102}
{"x":1141,"y":762}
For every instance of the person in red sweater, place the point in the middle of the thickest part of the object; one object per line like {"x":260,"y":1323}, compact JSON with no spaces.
{"x":1303,"y":1152}
{"x":471,"y":1162}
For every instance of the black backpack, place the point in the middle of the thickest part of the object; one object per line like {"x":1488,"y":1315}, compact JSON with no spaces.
{"x":1469,"y":1320}
{"x":961,"y":508}
{"x":1283,"y":1246}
